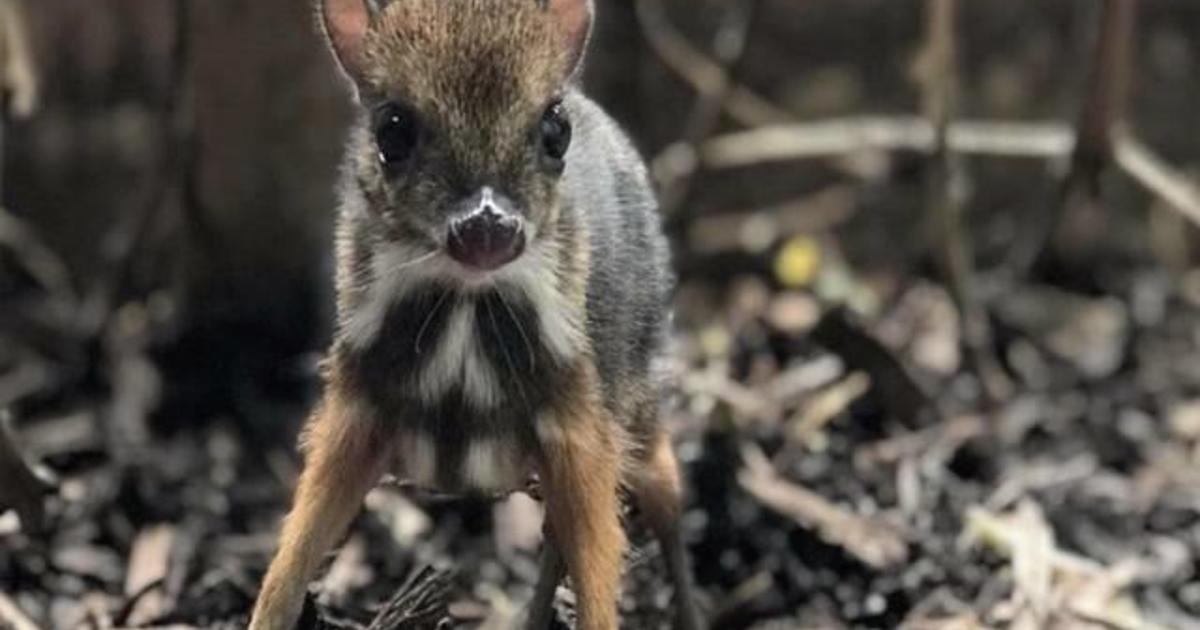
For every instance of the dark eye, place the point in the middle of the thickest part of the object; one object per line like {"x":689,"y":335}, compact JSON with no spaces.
{"x":556,"y":131}
{"x":395,"y":134}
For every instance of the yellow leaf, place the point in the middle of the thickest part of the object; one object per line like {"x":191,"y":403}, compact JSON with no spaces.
{"x":798,"y":261}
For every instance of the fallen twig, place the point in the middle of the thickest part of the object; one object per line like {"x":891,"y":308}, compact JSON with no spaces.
{"x":23,"y":488}
{"x":12,"y":617}
{"x":146,"y":574}
{"x":38,"y":259}
{"x":746,"y":402}
{"x":421,"y":604}
{"x":873,"y":542}
{"x":1056,"y":583}
{"x":933,"y":445}
{"x":827,"y":404}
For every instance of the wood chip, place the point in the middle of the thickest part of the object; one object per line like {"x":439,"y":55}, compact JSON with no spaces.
{"x":827,"y":405}
{"x":348,"y":571}
{"x":1032,"y":557}
{"x":518,"y":524}
{"x":149,"y":562}
{"x":404,"y":518}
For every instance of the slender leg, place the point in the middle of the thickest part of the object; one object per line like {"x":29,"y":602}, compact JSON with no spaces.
{"x":343,"y":457}
{"x":656,"y":488}
{"x":580,"y":476}
{"x":553,"y":570}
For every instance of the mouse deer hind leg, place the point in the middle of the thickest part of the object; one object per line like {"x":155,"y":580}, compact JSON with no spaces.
{"x":551,"y":572}
{"x":344,"y":456}
{"x":655,"y":485}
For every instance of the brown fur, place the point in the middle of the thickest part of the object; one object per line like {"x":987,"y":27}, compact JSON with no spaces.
{"x":658,"y":491}
{"x":478,"y":75}
{"x":485,"y":74}
{"x":343,"y":458}
{"x":656,"y":485}
{"x":581,"y":473}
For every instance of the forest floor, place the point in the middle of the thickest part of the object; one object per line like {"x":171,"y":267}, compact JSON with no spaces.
{"x":844,"y":470}
{"x":846,"y":467}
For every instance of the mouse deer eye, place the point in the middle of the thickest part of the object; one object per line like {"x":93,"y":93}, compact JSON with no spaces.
{"x":555,"y":130}
{"x":396,"y":134}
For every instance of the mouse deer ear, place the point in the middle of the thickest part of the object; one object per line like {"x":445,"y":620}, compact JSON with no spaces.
{"x":574,"y":19}
{"x":345,"y":23}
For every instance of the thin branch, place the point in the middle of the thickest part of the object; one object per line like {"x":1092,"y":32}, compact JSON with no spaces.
{"x":1073,"y":227}
{"x":24,"y":488}
{"x":38,"y":259}
{"x":17,"y":76}
{"x":1157,"y":176}
{"x":1108,"y":89}
{"x":677,"y":165}
{"x":420,"y":603}
{"x":19,"y":92}
{"x":945,"y":184}
{"x":940,"y":84}
{"x":742,"y":104}
{"x":841,"y":137}
{"x":127,"y":240}
{"x":946,"y":190}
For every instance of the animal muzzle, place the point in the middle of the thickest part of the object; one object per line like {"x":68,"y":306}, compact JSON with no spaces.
{"x":488,"y":235}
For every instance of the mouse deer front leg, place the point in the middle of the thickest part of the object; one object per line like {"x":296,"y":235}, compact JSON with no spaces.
{"x":344,"y":456}
{"x":580,"y":468}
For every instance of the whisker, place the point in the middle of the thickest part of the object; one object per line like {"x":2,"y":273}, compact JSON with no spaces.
{"x":520,"y":329}
{"x":432,"y":312}
{"x":507,"y":358}
{"x":415,"y":261}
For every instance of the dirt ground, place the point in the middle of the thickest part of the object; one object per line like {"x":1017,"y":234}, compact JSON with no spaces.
{"x":843,"y":473}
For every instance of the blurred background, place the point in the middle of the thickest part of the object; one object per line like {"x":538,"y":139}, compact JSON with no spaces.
{"x":938,"y":358}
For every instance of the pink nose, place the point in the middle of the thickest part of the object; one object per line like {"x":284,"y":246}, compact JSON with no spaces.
{"x":486,"y":238}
